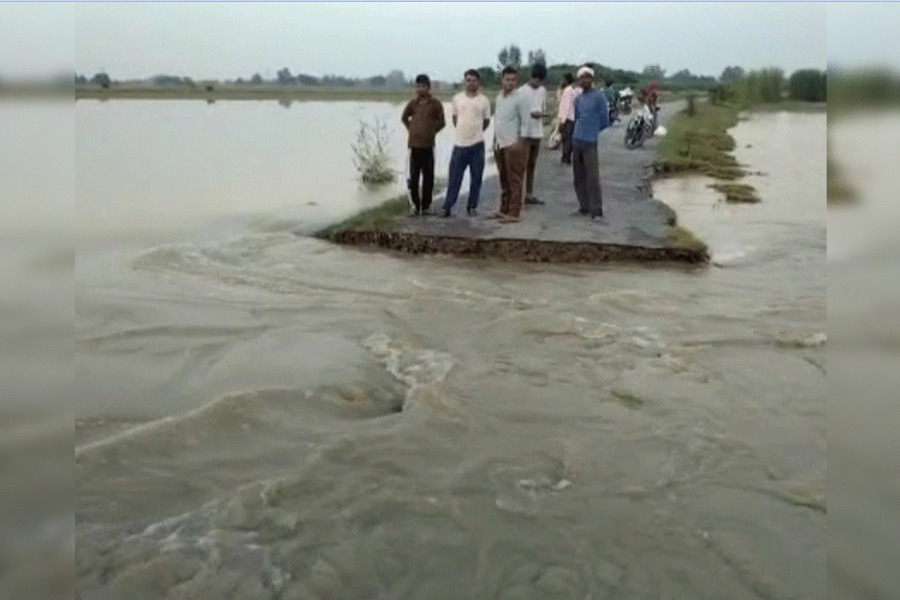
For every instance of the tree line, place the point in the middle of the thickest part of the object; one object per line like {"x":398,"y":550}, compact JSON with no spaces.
{"x":765,"y":85}
{"x":770,"y":86}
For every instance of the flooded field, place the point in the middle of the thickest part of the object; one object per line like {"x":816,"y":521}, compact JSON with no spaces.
{"x":266,"y":415}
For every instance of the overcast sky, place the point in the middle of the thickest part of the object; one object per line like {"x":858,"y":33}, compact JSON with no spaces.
{"x":229,"y":40}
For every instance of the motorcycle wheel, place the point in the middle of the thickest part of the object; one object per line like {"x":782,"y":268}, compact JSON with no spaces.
{"x":633,"y":138}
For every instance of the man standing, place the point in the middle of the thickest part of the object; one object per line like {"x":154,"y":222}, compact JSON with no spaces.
{"x":591,"y":117}
{"x":566,"y":116}
{"x":423,"y":117}
{"x":512,"y":111}
{"x":533,"y":128}
{"x":612,"y":96}
{"x":471,"y":112}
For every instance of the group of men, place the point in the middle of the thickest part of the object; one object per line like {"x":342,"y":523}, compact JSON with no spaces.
{"x":519,"y":114}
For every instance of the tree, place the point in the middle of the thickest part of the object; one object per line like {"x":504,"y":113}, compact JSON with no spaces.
{"x":488,"y":76}
{"x":537,"y":57}
{"x":395,"y":79}
{"x":284,"y":76}
{"x":101,"y":79}
{"x":731,"y":74}
{"x":654,"y":72}
{"x":377,"y":81}
{"x":510,"y":56}
{"x":809,"y":85}
{"x":304,"y":79}
{"x":256,"y":79}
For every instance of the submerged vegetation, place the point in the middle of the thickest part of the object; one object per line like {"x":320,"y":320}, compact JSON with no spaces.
{"x":371,"y":155}
{"x":737,"y":193}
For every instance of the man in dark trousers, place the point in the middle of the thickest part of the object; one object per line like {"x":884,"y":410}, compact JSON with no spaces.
{"x":423,"y":117}
{"x":591,"y":117}
{"x":566,"y":115}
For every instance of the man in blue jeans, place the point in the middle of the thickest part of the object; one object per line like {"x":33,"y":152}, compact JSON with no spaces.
{"x":471,"y":112}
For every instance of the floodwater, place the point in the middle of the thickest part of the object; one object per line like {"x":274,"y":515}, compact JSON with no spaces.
{"x":267,"y":415}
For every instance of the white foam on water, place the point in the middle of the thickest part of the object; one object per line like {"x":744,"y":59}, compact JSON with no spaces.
{"x":145,"y":428}
{"x":416,"y":367}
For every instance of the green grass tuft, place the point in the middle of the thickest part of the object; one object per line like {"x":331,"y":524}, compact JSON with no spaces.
{"x":701,"y":144}
{"x":737,"y":193}
{"x":378,"y":218}
{"x":683,"y":238}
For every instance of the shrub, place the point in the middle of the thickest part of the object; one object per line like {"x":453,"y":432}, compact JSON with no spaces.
{"x":808,"y":85}
{"x":371,"y":156}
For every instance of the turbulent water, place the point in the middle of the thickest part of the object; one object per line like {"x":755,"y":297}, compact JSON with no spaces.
{"x":266,"y":415}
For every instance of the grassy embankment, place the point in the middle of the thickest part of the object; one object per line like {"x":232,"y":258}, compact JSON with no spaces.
{"x":701,"y":144}
{"x":698,"y":139}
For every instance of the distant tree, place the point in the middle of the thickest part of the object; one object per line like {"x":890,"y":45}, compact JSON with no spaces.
{"x":166,"y":80}
{"x":503,"y":57}
{"x":377,"y":81}
{"x":808,"y":85}
{"x":488,"y":76}
{"x":731,"y":74}
{"x":510,"y":56}
{"x":338,"y":81}
{"x":101,"y":79}
{"x":303,"y":79}
{"x":537,"y":57}
{"x":395,"y":79}
{"x":654,"y":72}
{"x":256,"y":79}
{"x":284,"y":76}
{"x":80,"y":79}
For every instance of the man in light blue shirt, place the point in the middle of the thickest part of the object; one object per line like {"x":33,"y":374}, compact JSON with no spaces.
{"x":512,"y":110}
{"x":591,"y":117}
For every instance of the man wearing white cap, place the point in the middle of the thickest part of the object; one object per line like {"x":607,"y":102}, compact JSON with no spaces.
{"x":591,"y":117}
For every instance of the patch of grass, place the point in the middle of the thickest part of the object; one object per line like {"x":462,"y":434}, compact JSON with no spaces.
{"x":683,"y":238}
{"x":737,"y":193}
{"x":378,"y":218}
{"x":700,"y":143}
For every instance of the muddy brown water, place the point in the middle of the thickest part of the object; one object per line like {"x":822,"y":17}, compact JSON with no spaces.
{"x":262,"y":415}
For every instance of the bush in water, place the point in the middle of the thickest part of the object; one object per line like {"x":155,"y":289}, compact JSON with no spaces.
{"x":370,"y":152}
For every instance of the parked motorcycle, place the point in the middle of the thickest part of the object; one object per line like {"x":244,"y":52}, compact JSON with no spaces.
{"x":641,"y":128}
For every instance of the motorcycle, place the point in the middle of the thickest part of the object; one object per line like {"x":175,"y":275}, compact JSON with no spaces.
{"x":641,"y":127}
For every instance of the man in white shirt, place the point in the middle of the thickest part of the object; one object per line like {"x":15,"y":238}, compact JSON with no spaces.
{"x":566,"y":116}
{"x":533,"y":128}
{"x":471,"y":112}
